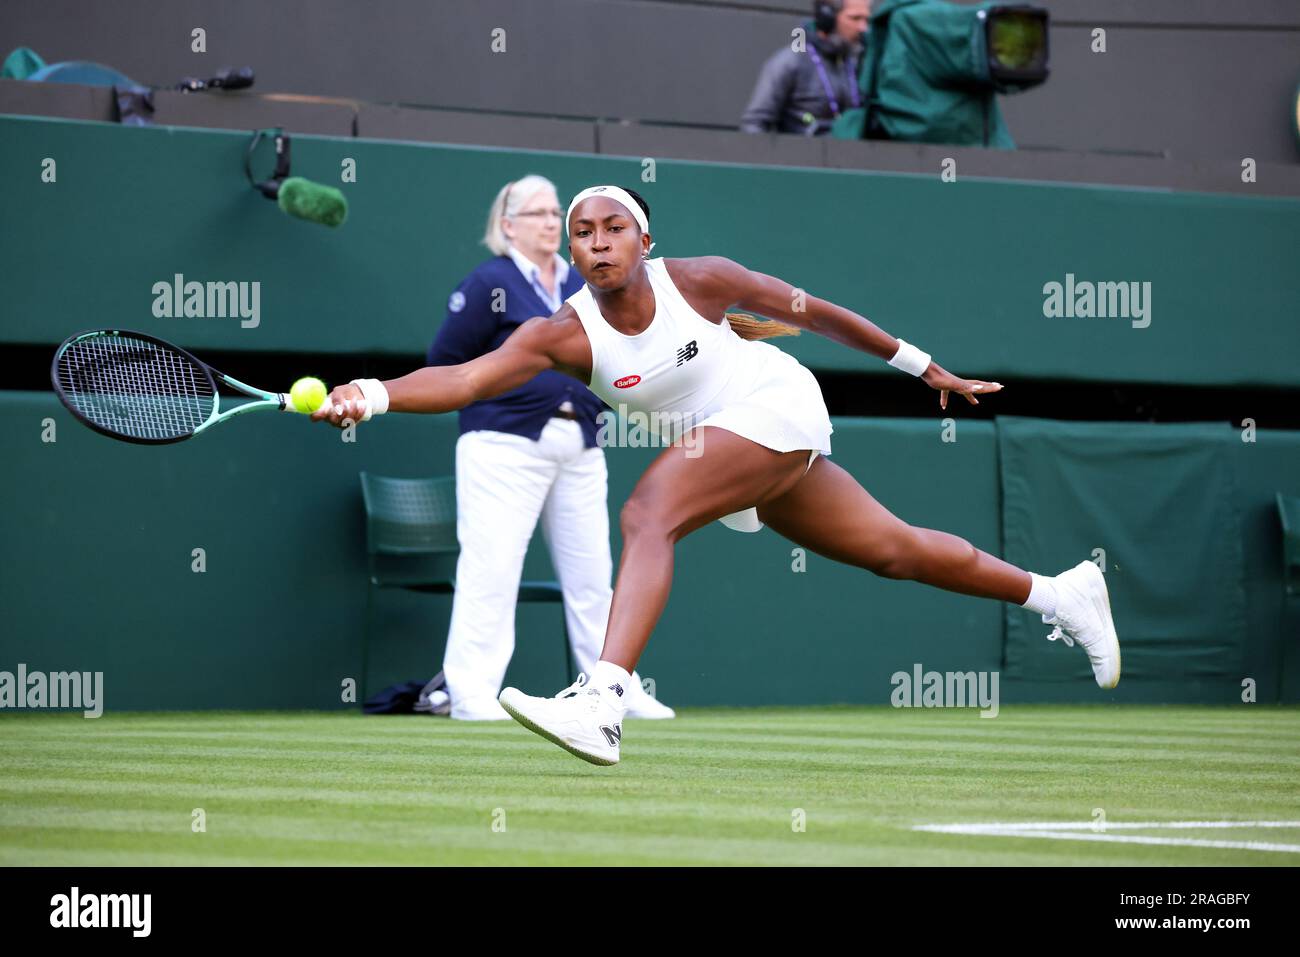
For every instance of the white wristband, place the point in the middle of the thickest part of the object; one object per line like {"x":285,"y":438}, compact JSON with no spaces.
{"x":910,"y":359}
{"x":375,"y":394}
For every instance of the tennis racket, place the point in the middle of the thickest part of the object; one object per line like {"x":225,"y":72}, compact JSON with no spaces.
{"x":138,"y":388}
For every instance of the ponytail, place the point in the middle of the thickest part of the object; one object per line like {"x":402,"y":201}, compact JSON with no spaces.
{"x":747,"y":327}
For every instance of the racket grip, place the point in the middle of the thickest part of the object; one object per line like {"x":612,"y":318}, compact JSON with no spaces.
{"x":286,"y":404}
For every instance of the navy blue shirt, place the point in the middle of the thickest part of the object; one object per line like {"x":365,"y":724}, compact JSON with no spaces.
{"x":472,"y":329}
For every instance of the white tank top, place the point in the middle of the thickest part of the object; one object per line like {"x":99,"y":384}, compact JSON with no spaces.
{"x":681,"y":365}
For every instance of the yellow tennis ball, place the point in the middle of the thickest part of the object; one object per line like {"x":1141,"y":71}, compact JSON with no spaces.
{"x":308,"y":394}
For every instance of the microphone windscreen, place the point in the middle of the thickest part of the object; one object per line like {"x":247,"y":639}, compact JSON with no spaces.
{"x":313,"y":202}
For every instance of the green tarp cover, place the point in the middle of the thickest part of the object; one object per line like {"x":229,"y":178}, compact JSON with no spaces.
{"x":1162,"y":502}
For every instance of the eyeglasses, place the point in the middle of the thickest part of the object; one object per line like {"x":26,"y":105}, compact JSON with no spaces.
{"x":534,"y":213}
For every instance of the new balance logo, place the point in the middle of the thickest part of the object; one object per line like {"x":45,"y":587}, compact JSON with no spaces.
{"x":613,"y":735}
{"x":687,"y":352}
{"x":617,"y":689}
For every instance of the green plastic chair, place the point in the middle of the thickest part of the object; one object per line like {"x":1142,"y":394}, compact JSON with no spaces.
{"x":411,"y":543}
{"x":1288,"y":508}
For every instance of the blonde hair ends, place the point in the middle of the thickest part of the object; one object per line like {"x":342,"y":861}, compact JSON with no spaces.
{"x":748,"y":327}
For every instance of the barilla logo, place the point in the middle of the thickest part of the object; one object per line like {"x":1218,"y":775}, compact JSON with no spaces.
{"x":626,"y":382}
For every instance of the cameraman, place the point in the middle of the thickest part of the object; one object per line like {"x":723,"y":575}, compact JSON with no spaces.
{"x":803,"y":91}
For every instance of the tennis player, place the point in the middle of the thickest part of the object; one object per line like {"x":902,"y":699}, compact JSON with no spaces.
{"x":654,"y":336}
{"x":528,"y":454}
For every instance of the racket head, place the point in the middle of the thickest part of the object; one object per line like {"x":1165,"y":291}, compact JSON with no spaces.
{"x":133,"y":386}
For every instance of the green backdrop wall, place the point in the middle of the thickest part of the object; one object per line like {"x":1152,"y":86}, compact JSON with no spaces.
{"x":958,"y":268}
{"x":99,"y":539}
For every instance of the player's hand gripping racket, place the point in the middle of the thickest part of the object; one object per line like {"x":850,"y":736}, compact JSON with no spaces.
{"x":138,"y":388}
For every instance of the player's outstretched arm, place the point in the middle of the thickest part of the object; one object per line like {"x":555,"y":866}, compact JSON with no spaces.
{"x":777,"y":299}
{"x":528,"y":351}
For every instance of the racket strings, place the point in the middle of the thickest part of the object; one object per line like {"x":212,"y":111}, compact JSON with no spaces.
{"x":135,"y":387}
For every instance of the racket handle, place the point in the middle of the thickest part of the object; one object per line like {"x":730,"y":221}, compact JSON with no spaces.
{"x":286,"y":404}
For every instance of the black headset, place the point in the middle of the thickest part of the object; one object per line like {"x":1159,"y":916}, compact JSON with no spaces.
{"x":825,"y":13}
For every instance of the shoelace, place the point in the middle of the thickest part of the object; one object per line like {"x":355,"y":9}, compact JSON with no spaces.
{"x":578,"y":687}
{"x":1058,"y":633}
{"x":575,"y":687}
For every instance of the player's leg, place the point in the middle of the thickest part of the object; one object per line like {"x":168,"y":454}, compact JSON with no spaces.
{"x":501,"y":485}
{"x":828,"y":512}
{"x":680,"y":492}
{"x":575,"y":521}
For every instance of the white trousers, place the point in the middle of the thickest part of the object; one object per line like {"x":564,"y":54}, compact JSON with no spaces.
{"x":504,"y":483}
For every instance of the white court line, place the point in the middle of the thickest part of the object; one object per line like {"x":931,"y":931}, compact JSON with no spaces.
{"x":1066,"y":831}
{"x":1090,"y":825}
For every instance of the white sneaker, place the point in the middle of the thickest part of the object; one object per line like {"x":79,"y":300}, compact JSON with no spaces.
{"x":585,"y":721}
{"x":643,"y":705}
{"x":1083,"y":615}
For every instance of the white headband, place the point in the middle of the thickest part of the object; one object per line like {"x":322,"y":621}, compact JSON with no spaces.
{"x":619,"y":196}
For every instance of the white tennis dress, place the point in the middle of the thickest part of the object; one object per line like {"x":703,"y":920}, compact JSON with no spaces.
{"x":685,"y":371}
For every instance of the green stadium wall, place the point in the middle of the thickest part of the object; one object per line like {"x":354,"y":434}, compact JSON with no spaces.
{"x":960,"y":267}
{"x":98,"y":536}
{"x":99,"y":546}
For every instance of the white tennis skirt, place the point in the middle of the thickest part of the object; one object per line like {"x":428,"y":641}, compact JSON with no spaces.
{"x":784,"y":412}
